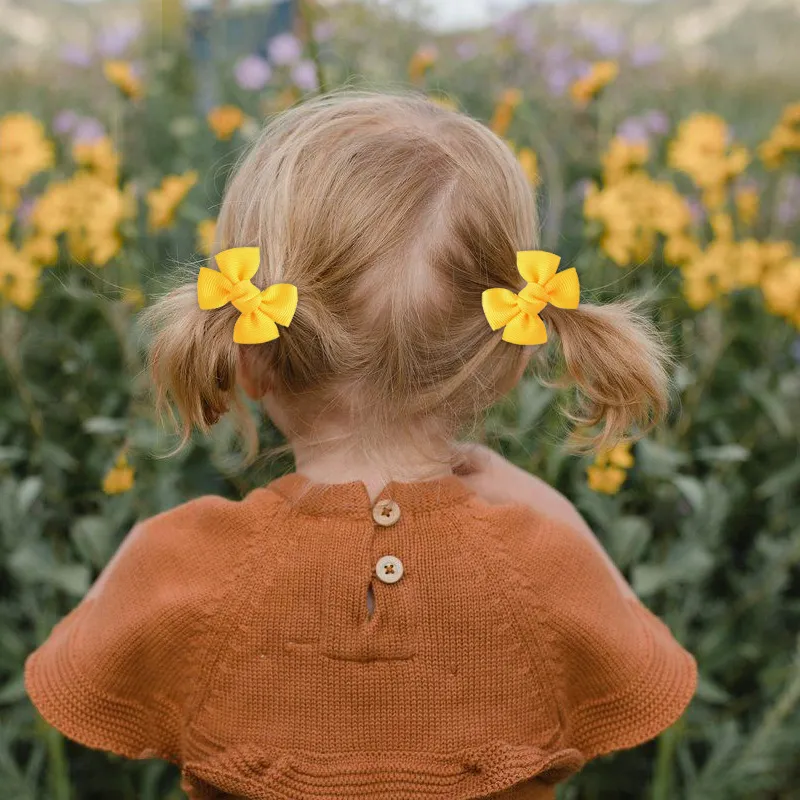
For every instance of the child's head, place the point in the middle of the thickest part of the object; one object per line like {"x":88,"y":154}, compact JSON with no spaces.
{"x":391,"y":215}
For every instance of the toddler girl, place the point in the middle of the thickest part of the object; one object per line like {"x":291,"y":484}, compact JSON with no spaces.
{"x":406,"y":615}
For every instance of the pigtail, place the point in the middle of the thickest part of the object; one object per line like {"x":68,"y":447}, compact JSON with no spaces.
{"x":193,"y":360}
{"x":619,"y":365}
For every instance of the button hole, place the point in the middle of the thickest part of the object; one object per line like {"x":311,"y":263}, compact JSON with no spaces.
{"x":370,"y":601}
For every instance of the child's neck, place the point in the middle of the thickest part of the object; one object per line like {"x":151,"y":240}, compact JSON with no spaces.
{"x":400,"y":465}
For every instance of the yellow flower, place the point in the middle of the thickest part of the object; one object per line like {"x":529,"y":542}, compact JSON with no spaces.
{"x":52,"y":210}
{"x":626,"y":211}
{"x":620,"y":455}
{"x":24,"y":152}
{"x":601,"y":74}
{"x":206,"y":232}
{"x":529,"y":163}
{"x":120,"y":477}
{"x":97,"y":209}
{"x":722,"y":226}
{"x":747,"y":203}
{"x":99,"y":157}
{"x":421,"y":62}
{"x":605,"y":479}
{"x":41,"y":249}
{"x":133,"y":296}
{"x":784,"y":138}
{"x":164,"y":201}
{"x":711,"y":273}
{"x":225,"y":120}
{"x":19,"y":276}
{"x":681,"y":248}
{"x":504,"y":110}
{"x":791,"y":115}
{"x":781,"y":289}
{"x":443,"y":101}
{"x":701,"y":150}
{"x":621,"y":157}
{"x":122,"y":75}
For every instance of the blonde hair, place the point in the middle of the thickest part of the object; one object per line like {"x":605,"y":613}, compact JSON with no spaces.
{"x":392,"y":214}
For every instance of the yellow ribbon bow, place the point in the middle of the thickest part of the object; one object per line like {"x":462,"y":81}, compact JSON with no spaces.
{"x":260,"y":310}
{"x":520,"y":312}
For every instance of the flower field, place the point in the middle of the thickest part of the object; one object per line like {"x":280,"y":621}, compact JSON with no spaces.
{"x":653,"y":178}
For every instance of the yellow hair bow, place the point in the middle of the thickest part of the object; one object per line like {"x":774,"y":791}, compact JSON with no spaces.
{"x":520,"y":312}
{"x":260,"y":310}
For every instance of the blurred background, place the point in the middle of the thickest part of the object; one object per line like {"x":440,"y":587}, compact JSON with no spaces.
{"x":662,"y":139}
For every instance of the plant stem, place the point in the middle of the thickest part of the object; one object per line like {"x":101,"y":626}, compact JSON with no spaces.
{"x":58,"y":774}
{"x":662,"y":780}
{"x":9,"y":351}
{"x":307,"y":16}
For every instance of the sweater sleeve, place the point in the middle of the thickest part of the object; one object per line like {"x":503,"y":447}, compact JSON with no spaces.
{"x":624,"y":678}
{"x":118,"y":672}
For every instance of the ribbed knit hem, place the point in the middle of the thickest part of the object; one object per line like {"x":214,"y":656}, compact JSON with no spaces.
{"x":68,"y":703}
{"x":294,"y":775}
{"x":655,"y":701}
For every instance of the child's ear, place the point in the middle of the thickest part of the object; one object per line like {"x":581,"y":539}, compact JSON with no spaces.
{"x":249,"y":377}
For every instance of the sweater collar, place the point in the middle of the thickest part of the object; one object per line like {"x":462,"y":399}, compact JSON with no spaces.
{"x":352,"y":498}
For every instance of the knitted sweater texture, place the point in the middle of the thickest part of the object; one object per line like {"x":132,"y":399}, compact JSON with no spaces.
{"x":234,"y":639}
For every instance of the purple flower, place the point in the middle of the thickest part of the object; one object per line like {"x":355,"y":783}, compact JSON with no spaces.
{"x":557,"y":54}
{"x":581,"y":187}
{"x":88,"y":130}
{"x":696,"y":210}
{"x":252,"y":72}
{"x":526,"y":37}
{"x":647,"y":54}
{"x":25,"y":209}
{"x":656,"y":122}
{"x":507,"y":25}
{"x":324,"y":30}
{"x":634,"y":129}
{"x":466,"y":50}
{"x":65,"y":121}
{"x":789,"y":203}
{"x":284,"y":49}
{"x":115,"y":39}
{"x":304,"y":75}
{"x":796,"y":349}
{"x":75,"y":55}
{"x":558,"y":79}
{"x":606,"y":40}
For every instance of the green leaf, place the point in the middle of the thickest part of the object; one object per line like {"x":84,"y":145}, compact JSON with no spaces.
{"x":692,"y":489}
{"x":724,"y":453}
{"x":13,"y":690}
{"x":627,"y":539}
{"x":687,"y":563}
{"x":104,"y":425}
{"x":781,"y":480}
{"x":9,"y":455}
{"x":28,"y":491}
{"x":775,"y":409}
{"x":93,"y":537}
{"x":33,"y":562}
{"x":658,"y":460}
{"x":647,"y":579}
{"x":534,"y":400}
{"x":711,"y":692}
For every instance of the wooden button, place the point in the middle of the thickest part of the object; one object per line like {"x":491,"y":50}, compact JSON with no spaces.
{"x":389,"y":569}
{"x":386,"y":512}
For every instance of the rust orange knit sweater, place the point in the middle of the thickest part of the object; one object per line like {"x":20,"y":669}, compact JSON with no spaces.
{"x":233,"y":638}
